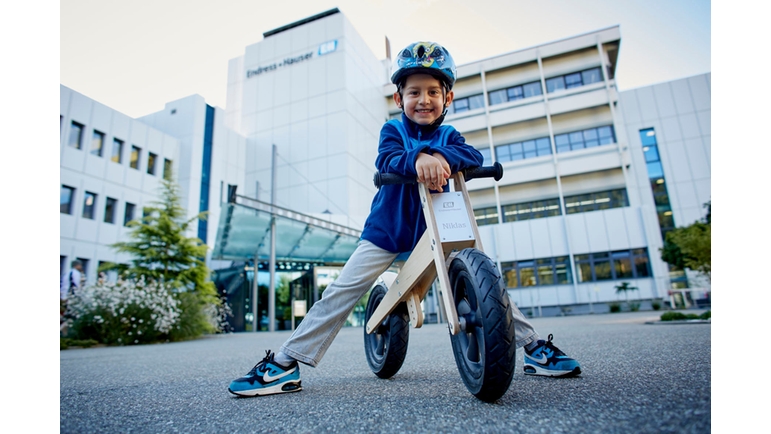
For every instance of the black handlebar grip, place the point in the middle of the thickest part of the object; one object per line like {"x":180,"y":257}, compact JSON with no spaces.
{"x":495,"y":171}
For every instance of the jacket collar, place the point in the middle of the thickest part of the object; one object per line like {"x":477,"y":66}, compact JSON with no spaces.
{"x":413,"y":128}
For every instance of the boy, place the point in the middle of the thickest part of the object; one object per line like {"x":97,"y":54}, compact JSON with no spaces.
{"x":419,"y":146}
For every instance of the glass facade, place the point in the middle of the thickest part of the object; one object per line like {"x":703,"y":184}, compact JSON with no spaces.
{"x":109,"y":210}
{"x":616,"y":265}
{"x":657,"y":180}
{"x":515,"y":93}
{"x":206,"y":170}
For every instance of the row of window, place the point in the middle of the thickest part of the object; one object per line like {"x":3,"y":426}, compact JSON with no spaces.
{"x":67,"y":199}
{"x":527,"y":90}
{"x":97,"y":148}
{"x":551,"y":207}
{"x":592,"y":267}
{"x":582,"y":139}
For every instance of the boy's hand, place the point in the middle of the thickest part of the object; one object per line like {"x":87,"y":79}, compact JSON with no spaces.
{"x":432,"y":171}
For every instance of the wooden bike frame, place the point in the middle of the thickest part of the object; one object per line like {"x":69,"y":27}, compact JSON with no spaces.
{"x":427,"y":261}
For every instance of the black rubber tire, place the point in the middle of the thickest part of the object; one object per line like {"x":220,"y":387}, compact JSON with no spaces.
{"x":485,"y":347}
{"x":386,"y":347}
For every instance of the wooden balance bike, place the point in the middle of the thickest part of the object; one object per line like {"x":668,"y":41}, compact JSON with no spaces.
{"x":474,"y":299}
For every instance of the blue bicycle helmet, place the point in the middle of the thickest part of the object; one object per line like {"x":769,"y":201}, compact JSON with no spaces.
{"x":427,"y":58}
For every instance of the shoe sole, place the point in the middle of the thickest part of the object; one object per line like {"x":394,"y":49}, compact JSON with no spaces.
{"x":287,"y":387}
{"x":538,"y":371}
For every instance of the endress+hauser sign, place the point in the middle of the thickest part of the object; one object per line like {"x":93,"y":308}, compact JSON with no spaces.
{"x":326,"y":47}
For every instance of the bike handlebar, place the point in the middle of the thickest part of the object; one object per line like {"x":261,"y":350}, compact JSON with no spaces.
{"x":495,"y":171}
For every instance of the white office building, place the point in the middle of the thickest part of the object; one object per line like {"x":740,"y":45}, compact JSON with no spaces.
{"x":592,"y":176}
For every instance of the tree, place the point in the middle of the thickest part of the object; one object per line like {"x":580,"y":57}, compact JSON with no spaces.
{"x":691,"y":246}
{"x":625,"y":288}
{"x":161,"y":252}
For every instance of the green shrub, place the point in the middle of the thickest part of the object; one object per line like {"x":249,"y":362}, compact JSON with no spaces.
{"x":123,"y":313}
{"x":655,"y":305}
{"x":679,"y":316}
{"x":614,"y":307}
{"x":634,"y":306}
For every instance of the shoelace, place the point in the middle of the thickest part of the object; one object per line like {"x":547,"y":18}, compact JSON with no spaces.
{"x":268,"y":359}
{"x":551,"y":346}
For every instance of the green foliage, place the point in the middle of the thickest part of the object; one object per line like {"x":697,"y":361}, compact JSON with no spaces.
{"x":634,"y":307}
{"x":162,"y":252}
{"x":655,"y":305}
{"x":65,"y":343}
{"x":679,"y":316}
{"x":691,"y":246}
{"x":614,"y":307}
{"x":122,"y":313}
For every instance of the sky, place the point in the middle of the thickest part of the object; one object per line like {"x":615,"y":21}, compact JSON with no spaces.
{"x":135,"y":56}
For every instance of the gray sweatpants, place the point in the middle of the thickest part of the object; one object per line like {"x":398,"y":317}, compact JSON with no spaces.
{"x":323,"y":321}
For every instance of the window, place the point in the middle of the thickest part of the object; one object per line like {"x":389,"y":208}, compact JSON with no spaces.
{"x":117,"y":151}
{"x":109,"y":210}
{"x":587,"y":138}
{"x":166,"y":168}
{"x":596,"y":201}
{"x":66,"y":195}
{"x":97,"y":143}
{"x":84,"y":261}
{"x":657,"y":181}
{"x":466,"y":104}
{"x":573,"y":80}
{"x":537,"y":272}
{"x":76,"y":135}
{"x":488,"y":161}
{"x":515,"y":93}
{"x":486,"y":216}
{"x":135,"y":154}
{"x":151,"y":158}
{"x":523,"y":150}
{"x":89,"y":205}
{"x":531,"y":210}
{"x":128,"y":214}
{"x":621,"y":264}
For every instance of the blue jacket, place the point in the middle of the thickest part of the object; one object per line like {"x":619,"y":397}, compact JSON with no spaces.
{"x":396,"y":222}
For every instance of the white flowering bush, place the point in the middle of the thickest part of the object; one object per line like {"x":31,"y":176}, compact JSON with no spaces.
{"x":125,"y":312}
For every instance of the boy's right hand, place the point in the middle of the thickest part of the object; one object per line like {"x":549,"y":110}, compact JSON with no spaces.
{"x":432,"y":171}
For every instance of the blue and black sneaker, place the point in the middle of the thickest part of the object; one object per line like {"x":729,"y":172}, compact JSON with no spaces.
{"x":548,"y":360}
{"x":267,"y":378}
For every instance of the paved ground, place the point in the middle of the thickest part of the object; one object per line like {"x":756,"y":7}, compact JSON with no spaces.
{"x":637,"y":377}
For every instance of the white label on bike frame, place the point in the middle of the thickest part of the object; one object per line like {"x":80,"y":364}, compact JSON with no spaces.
{"x":452,"y":217}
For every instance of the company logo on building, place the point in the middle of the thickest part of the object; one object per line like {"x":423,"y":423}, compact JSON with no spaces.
{"x":325,"y":48}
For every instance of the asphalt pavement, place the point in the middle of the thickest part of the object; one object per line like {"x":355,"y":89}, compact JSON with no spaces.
{"x":637,"y":377}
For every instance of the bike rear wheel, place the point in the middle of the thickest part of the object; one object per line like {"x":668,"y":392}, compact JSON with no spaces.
{"x":386,"y":346}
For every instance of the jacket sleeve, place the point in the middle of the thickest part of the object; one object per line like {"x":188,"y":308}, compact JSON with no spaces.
{"x":393,"y":156}
{"x":459,"y":154}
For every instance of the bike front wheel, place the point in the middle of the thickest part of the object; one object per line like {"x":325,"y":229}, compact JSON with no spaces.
{"x":485,"y":348}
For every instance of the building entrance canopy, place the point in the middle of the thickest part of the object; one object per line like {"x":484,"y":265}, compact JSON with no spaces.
{"x":244,"y":228}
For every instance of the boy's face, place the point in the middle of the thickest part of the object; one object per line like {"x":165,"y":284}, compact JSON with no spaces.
{"x":423,"y":98}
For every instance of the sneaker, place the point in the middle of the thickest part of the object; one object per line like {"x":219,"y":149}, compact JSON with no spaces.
{"x":267,"y":378}
{"x":548,"y":360}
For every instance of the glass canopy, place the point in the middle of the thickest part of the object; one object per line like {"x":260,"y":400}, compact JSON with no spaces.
{"x":243,"y":233}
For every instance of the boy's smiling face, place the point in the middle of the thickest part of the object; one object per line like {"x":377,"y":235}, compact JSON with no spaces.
{"x":422,"y":98}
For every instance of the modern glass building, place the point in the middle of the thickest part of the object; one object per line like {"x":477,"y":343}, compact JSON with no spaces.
{"x":593,"y":176}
